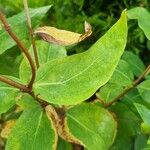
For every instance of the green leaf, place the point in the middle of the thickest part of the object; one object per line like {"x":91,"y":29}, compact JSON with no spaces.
{"x":140,"y":142}
{"x":128,"y":127}
{"x":63,"y":145}
{"x":109,"y":91}
{"x":122,"y":75}
{"x":144,"y":112}
{"x":26,"y":101}
{"x":33,"y":130}
{"x":144,"y":90}
{"x":136,"y":64}
{"x":92,"y":125}
{"x":20,"y":27}
{"x":8,"y":96}
{"x":46,"y":52}
{"x":143,"y":17}
{"x":73,"y":79}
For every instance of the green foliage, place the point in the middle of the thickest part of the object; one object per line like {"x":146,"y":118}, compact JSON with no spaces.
{"x":143,"y":17}
{"x":8,"y":96}
{"x":34,"y":128}
{"x":75,"y":84}
{"x":98,"y":134}
{"x":97,"y":94}
{"x":19,"y":26}
{"x":46,"y":52}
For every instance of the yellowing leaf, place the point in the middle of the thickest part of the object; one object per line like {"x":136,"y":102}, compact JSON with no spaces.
{"x":7,"y":128}
{"x":63,"y":37}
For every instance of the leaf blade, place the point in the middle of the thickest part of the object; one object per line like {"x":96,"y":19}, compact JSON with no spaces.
{"x":73,"y":79}
{"x":33,"y":127}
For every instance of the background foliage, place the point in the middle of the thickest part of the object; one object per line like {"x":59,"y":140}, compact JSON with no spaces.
{"x":101,"y":14}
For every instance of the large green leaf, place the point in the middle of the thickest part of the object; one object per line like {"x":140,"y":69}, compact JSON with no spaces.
{"x":144,"y":90}
{"x":46,"y":52}
{"x":143,"y":17}
{"x":8,"y":96}
{"x":73,"y":79}
{"x":92,"y":125}
{"x":20,"y":27}
{"x":33,"y":131}
{"x":136,"y":64}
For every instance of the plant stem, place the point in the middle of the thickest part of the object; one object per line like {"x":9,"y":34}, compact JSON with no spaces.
{"x":129,"y":88}
{"x":14,"y":84}
{"x":21,"y":46}
{"x":25,"y":2}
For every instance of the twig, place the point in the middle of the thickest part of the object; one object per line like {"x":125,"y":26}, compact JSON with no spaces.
{"x":25,"y":2}
{"x":21,"y":46}
{"x":129,"y":88}
{"x":14,"y":84}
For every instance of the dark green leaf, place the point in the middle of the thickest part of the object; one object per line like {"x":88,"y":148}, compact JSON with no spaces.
{"x":128,"y":127}
{"x":63,"y":145}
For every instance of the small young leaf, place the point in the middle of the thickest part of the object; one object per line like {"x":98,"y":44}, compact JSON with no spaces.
{"x":46,"y":52}
{"x":33,"y":130}
{"x":144,"y":90}
{"x":63,"y":37}
{"x":8,"y":95}
{"x":136,"y":64}
{"x":19,"y":26}
{"x":92,"y":125}
{"x":143,"y":17}
{"x":73,"y":79}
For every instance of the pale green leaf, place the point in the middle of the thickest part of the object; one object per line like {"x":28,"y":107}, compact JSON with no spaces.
{"x":73,"y":79}
{"x":20,"y":27}
{"x":46,"y":52}
{"x":8,"y":95}
{"x":136,"y":64}
{"x":33,"y":131}
{"x":144,"y":90}
{"x":143,"y":17}
{"x":92,"y":125}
